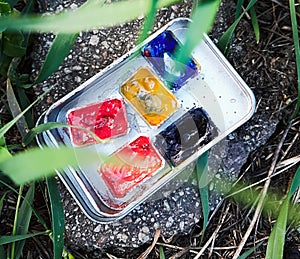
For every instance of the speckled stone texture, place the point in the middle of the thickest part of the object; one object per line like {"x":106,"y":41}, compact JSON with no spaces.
{"x":176,"y":209}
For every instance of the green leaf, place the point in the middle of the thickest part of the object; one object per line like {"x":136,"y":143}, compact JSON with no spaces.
{"x":58,"y":218}
{"x":85,"y":19}
{"x":10,"y":239}
{"x":7,"y":126}
{"x":295,"y":183}
{"x":60,"y":48}
{"x":4,"y":8}
{"x":12,"y":44}
{"x":24,"y":103}
{"x":15,"y":109}
{"x":297,"y":51}
{"x":24,"y":218}
{"x":202,"y":176}
{"x":250,"y":251}
{"x":29,"y":137}
{"x":161,"y":253}
{"x":238,"y":8}
{"x":149,"y":20}
{"x":225,"y":40}
{"x":36,"y":163}
{"x":202,"y":20}
{"x":53,"y":125}
{"x":1,"y":203}
{"x":255,"y":24}
{"x":277,"y":237}
{"x":2,"y":139}
{"x":4,"y":154}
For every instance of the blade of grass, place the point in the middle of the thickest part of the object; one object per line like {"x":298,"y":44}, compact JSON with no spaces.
{"x":8,"y":125}
{"x":14,"y":231}
{"x":238,"y":8}
{"x":81,"y":20}
{"x":35,"y":212}
{"x":15,"y":109}
{"x":202,"y":176}
{"x":149,"y":20}
{"x":10,"y":239}
{"x":41,"y":128}
{"x":53,"y":125}
{"x":24,"y":218}
{"x":295,"y":183}
{"x":4,"y":154}
{"x":226,"y":38}
{"x":1,"y":202}
{"x":60,"y":48}
{"x":277,"y":237}
{"x":21,"y":168}
{"x":57,"y":218}
{"x":250,"y":251}
{"x":202,"y":20}
{"x":161,"y":253}
{"x":297,"y":51}
{"x":255,"y":24}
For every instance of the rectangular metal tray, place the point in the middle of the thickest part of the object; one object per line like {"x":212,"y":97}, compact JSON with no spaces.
{"x":217,"y":88}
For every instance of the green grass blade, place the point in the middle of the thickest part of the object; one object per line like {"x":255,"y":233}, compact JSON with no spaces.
{"x":277,"y":237}
{"x":41,"y":128}
{"x":250,"y":251}
{"x":36,"y":163}
{"x":15,"y":109}
{"x":161,"y":253}
{"x":149,"y":21}
{"x":10,"y":239}
{"x":255,"y":24}
{"x":85,"y":19}
{"x":7,"y":126}
{"x":53,"y":125}
{"x":297,"y":51}
{"x":4,"y":154}
{"x":60,"y":48}
{"x":238,"y":9}
{"x":202,"y":176}
{"x":58,"y":219}
{"x":1,"y":203}
{"x":14,"y":231}
{"x":35,"y":212}
{"x":24,"y":218}
{"x":203,"y":18}
{"x":295,"y":183}
{"x":225,"y":40}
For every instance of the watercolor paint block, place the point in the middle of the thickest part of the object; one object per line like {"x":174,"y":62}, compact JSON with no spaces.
{"x":107,"y":119}
{"x":130,"y":165}
{"x":185,"y":136}
{"x":160,"y":51}
{"x":147,"y":94}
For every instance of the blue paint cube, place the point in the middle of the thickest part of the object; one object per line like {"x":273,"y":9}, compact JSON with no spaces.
{"x":160,"y":54}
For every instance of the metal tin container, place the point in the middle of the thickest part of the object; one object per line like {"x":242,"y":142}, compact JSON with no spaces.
{"x":152,"y":118}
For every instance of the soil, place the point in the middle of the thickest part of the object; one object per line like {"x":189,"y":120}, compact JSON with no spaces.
{"x":269,"y":68}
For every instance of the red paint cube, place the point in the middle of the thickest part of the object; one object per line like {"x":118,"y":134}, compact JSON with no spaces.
{"x":106,"y":120}
{"x":130,"y":165}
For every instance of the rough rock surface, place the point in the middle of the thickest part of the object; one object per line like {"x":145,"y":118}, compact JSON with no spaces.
{"x":169,"y":211}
